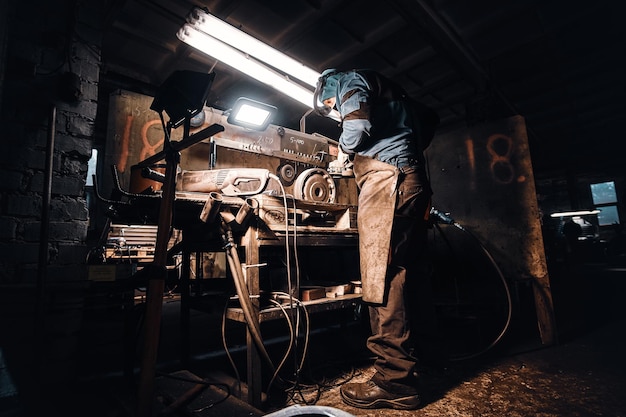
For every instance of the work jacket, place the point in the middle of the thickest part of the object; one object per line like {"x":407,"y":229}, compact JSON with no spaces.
{"x":378,"y":120}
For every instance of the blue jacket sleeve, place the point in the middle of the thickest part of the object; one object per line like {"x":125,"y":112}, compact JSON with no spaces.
{"x":355,"y":111}
{"x":355,"y":135}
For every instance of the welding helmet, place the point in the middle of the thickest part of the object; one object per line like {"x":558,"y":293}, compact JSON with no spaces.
{"x":326,"y":88}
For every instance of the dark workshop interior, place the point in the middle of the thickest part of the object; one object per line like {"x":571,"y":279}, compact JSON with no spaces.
{"x":157,"y":258}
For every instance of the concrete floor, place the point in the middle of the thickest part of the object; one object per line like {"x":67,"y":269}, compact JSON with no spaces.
{"x":582,"y":375}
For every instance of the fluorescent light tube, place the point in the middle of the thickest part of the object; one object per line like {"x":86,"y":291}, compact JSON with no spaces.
{"x":574,"y":213}
{"x":244,"y":63}
{"x":217,"y":28}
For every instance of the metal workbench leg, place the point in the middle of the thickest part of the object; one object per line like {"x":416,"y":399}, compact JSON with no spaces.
{"x":255,"y":380}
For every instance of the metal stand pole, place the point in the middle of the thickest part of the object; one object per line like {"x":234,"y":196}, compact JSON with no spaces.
{"x":156,"y":283}
{"x":156,"y":286}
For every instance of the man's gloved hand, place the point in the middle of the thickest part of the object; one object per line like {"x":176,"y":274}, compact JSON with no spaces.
{"x":348,"y":170}
{"x":342,"y":165}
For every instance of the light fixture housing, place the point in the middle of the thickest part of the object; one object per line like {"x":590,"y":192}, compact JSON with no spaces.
{"x":251,"y":114}
{"x":245,"y":63}
{"x":250,"y":56}
{"x":212,"y":26}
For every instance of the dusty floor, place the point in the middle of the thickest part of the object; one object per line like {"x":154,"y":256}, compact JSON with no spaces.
{"x":584,"y":374}
{"x":582,"y":377}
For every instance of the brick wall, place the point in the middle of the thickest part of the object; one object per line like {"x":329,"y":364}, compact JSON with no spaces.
{"x":42,"y":280}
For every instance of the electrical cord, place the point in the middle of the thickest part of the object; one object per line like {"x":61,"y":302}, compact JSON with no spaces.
{"x":287,"y":251}
{"x":275,"y":375}
{"x":292,"y":300}
{"x":241,"y":286}
{"x":290,"y":346}
{"x":307,"y":333}
{"x":292,"y":317}
{"x":288,"y":255}
{"x":296,"y":384}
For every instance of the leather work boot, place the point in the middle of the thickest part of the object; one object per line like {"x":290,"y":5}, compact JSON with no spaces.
{"x":369,"y":395}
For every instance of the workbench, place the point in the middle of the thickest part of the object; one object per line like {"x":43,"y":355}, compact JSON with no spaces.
{"x":334,"y":227}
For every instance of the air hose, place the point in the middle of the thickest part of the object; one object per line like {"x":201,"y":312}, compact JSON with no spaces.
{"x":244,"y":296}
{"x":445,"y":218}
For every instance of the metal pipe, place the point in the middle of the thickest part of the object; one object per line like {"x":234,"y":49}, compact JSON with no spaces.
{"x":211,"y":207}
{"x":246,"y":209}
{"x":40,"y":316}
{"x":45,"y":202}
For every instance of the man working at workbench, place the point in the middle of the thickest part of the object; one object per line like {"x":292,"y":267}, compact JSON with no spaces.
{"x":384,"y":139}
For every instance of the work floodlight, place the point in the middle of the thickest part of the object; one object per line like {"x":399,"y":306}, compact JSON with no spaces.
{"x":183,"y":95}
{"x":251,"y":114}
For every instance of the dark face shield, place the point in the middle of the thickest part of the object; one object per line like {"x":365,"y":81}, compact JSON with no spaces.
{"x":325,"y":88}
{"x":319,"y":107}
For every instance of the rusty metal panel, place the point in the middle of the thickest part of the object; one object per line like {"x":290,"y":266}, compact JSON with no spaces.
{"x":483,"y":176}
{"x":134,"y":132}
